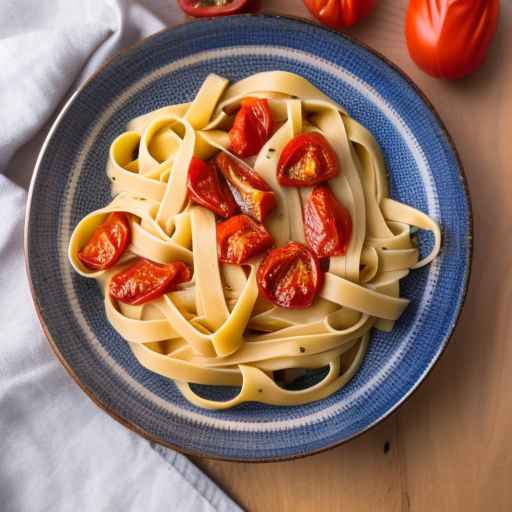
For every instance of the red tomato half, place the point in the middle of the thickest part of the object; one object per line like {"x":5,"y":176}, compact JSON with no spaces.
{"x":306,"y":160}
{"x":145,"y":281}
{"x":290,"y":276}
{"x":207,"y":8}
{"x":327,"y":224}
{"x":107,"y":243}
{"x":240,"y":238}
{"x":450,"y":38}
{"x":340,"y":13}
{"x":251,"y":192}
{"x":207,"y":188}
{"x":252,"y":127}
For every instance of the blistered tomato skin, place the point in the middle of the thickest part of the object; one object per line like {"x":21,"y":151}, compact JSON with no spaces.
{"x":327,"y":223}
{"x":290,"y":276}
{"x":251,"y":128}
{"x":107,"y":243}
{"x":251,"y":192}
{"x":209,"y":189}
{"x":340,"y":13}
{"x":450,"y":38}
{"x":208,"y":8}
{"x":145,"y":280}
{"x":241,"y":238}
{"x":307,"y":159}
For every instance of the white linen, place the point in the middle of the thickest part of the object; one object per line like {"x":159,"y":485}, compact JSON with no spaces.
{"x":58,"y":451}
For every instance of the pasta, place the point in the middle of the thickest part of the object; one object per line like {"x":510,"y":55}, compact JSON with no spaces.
{"x":217,"y":328}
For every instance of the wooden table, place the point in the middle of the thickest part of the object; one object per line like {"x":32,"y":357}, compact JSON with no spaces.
{"x":449,"y":447}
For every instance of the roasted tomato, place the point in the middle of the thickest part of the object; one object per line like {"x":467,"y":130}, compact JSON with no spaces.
{"x":145,"y":281}
{"x":306,"y":160}
{"x":450,"y":38}
{"x":252,"y":127}
{"x":107,"y":243}
{"x":251,"y":192}
{"x":240,"y":238}
{"x":290,"y":276}
{"x":207,"y":188}
{"x":327,"y":224}
{"x":340,"y":13}
{"x":207,"y":8}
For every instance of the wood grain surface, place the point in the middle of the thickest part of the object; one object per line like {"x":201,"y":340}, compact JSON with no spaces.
{"x":449,"y":448}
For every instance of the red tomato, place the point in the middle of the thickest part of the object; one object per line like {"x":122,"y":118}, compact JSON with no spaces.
{"x":210,"y":190}
{"x":306,"y":160}
{"x":240,"y":238}
{"x":107,"y":243}
{"x":340,"y":13}
{"x":252,"y":127}
{"x":290,"y":276}
{"x":207,"y":8}
{"x":251,"y":192}
{"x":145,"y":281}
{"x":327,"y":224}
{"x":450,"y":38}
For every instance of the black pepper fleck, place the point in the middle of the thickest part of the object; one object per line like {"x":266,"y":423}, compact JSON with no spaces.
{"x":387,"y":447}
{"x":302,"y":349}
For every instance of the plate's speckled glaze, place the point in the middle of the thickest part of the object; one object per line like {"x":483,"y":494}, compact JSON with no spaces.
{"x":168,"y":68}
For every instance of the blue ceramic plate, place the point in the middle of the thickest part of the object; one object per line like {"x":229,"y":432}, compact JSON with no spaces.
{"x":168,"y":68}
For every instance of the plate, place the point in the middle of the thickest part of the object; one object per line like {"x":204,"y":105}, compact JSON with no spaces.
{"x":168,"y":68}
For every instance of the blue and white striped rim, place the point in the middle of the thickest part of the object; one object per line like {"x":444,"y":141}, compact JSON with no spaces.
{"x":266,"y":424}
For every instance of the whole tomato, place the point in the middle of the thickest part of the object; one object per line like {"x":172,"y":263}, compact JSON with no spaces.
{"x":340,"y":13}
{"x":450,"y":38}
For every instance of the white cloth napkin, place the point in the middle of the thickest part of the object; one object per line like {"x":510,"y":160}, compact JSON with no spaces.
{"x":58,"y":451}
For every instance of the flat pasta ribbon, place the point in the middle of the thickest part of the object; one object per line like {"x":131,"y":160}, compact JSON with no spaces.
{"x":217,"y":329}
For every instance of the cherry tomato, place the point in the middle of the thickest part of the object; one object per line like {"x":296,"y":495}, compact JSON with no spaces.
{"x":306,"y":160}
{"x":290,"y":276}
{"x":207,"y":188}
{"x":207,"y":8}
{"x":340,"y":13}
{"x":252,"y":127}
{"x":251,"y":192}
{"x":107,"y":243}
{"x":450,"y":38}
{"x":240,"y":238}
{"x":327,"y":224}
{"x":145,"y":281}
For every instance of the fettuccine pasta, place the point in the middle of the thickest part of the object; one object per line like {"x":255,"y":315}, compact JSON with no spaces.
{"x":217,"y":328}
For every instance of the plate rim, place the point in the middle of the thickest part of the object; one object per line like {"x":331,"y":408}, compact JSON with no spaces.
{"x":133,"y":426}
